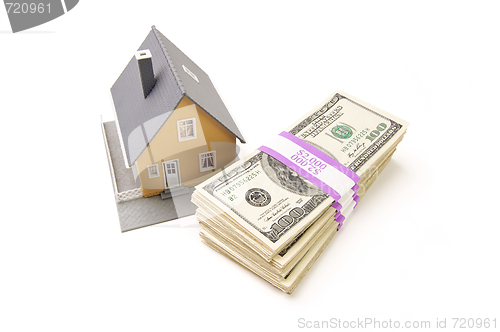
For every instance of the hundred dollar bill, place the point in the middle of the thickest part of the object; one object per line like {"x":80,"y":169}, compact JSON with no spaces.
{"x":349,"y":130}
{"x":260,"y":199}
{"x":271,"y":203}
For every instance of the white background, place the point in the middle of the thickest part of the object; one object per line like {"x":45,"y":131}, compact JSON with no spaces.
{"x":422,"y":245}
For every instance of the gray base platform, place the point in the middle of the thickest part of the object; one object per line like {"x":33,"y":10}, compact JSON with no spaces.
{"x":124,"y":176}
{"x":142,"y":212}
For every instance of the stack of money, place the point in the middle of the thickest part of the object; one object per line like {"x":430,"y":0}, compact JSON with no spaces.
{"x":275,"y":211}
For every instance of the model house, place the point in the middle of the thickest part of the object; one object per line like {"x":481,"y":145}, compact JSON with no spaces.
{"x":173,"y":127}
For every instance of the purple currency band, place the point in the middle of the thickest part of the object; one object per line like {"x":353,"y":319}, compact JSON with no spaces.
{"x":340,"y":219}
{"x":356,"y":199}
{"x":314,"y":180}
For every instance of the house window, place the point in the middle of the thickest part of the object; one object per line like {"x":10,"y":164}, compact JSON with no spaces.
{"x":153,"y":171}
{"x":207,"y":161}
{"x":186,"y":129}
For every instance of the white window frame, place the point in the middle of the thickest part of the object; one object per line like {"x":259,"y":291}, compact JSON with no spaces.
{"x":150,"y":173}
{"x":182,"y":139}
{"x":204,"y":169}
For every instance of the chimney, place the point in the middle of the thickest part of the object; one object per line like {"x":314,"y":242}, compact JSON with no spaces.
{"x":145,"y":71}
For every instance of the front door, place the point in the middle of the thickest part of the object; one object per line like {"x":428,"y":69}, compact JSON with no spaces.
{"x":171,"y":170}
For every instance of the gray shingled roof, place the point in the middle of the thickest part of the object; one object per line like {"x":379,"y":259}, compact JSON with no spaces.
{"x":139,"y":119}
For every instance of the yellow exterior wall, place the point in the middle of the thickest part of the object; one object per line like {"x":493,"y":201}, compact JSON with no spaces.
{"x":210,"y":136}
{"x":219,"y":139}
{"x":214,"y":131}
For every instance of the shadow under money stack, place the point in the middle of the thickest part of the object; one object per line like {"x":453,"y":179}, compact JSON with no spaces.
{"x":275,"y":211}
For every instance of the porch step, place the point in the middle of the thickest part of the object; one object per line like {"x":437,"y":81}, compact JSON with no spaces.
{"x":176,"y":191}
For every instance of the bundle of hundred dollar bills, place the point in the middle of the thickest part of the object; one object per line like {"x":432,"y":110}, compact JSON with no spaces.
{"x":275,"y":211}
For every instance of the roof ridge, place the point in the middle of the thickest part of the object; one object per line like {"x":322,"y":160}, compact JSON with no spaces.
{"x":169,"y":60}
